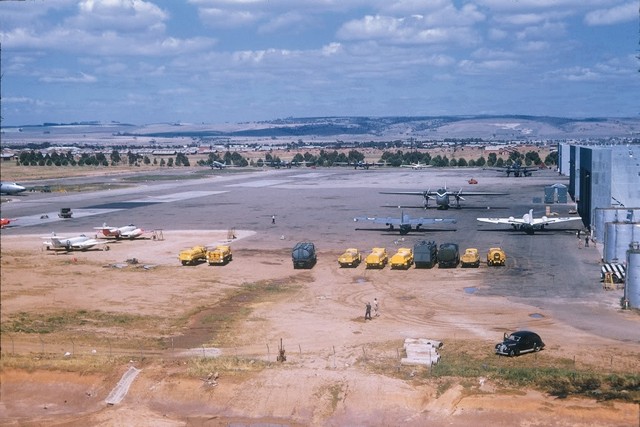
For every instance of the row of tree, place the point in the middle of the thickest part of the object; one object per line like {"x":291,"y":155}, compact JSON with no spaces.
{"x":36,"y":158}
{"x":324,"y":158}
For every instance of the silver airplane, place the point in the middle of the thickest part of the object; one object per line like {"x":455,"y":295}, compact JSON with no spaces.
{"x":76,"y":243}
{"x":443,"y":196}
{"x":528,"y":223}
{"x":7,"y":187}
{"x":405,"y":223}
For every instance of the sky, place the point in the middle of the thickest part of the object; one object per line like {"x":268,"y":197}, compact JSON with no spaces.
{"x":218,"y":61}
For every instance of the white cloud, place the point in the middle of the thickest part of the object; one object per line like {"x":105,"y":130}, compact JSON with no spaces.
{"x":518,"y":5}
{"x":576,"y":74}
{"x":490,"y":66}
{"x":284,"y":21}
{"x":332,"y":49}
{"x":543,"y":31}
{"x":121,"y":15}
{"x":79,"y":78}
{"x":410,"y":30}
{"x":225,"y":18}
{"x":626,"y":12}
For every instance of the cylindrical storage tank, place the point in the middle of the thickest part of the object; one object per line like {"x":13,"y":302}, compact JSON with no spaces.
{"x":601,"y":217}
{"x":632,"y":285}
{"x":618,"y":237}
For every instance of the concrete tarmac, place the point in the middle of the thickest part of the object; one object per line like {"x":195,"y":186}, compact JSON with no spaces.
{"x":549,"y":269}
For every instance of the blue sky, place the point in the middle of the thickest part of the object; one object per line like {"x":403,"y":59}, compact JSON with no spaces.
{"x":216,"y":61}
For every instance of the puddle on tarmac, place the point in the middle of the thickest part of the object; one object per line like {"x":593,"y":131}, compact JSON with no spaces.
{"x":470,"y":290}
{"x":536,"y":315}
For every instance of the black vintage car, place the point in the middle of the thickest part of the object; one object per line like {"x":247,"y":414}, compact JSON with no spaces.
{"x":519,"y":342}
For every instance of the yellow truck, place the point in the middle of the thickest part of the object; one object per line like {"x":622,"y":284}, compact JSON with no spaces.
{"x":377,"y":258}
{"x":193,"y":255}
{"x":403,"y":258}
{"x":350,"y":258}
{"x":496,"y":256}
{"x":221,"y":255}
{"x":470,"y":258}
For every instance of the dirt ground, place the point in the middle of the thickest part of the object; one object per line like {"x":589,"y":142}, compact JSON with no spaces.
{"x":169,"y":320}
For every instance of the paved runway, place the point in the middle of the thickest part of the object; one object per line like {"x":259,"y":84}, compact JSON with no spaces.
{"x":547,"y":269}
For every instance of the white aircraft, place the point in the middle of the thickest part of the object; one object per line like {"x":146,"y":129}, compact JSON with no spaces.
{"x":416,"y":166}
{"x":528,"y":223}
{"x":11,"y":188}
{"x":127,"y":232}
{"x":77,"y":243}
{"x":217,"y":165}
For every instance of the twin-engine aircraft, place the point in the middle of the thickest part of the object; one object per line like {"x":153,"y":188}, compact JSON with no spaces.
{"x":77,"y":243}
{"x":127,"y":232}
{"x":528,"y":223}
{"x":442,"y":196}
{"x":516,"y":169}
{"x":359,"y":164}
{"x":405,"y":223}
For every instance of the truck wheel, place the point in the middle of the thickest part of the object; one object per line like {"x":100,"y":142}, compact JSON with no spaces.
{"x":512,"y":353}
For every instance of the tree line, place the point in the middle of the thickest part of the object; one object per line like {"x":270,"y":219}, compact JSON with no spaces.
{"x":323,"y":158}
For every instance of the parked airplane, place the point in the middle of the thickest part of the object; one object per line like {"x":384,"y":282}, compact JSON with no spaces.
{"x":516,"y":169}
{"x":77,"y":243}
{"x":284,"y":163}
{"x":528,"y":223}
{"x":416,"y":166}
{"x":443,"y":197}
{"x":218,"y":165}
{"x":405,"y":223}
{"x":127,"y":232}
{"x":5,"y":221}
{"x":11,"y":188}
{"x":359,"y":164}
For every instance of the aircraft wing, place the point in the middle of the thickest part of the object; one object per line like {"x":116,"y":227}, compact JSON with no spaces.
{"x":510,"y":220}
{"x":545,"y":220}
{"x":380,"y":220}
{"x":449,"y":192}
{"x":87,"y":244}
{"x":473,"y":193}
{"x":430,"y":221}
{"x":408,"y":193}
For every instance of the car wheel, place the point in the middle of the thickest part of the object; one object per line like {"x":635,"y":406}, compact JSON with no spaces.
{"x":512,"y":353}
{"x":536,"y":347}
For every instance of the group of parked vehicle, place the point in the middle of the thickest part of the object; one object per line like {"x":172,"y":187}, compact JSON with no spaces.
{"x":424,"y":254}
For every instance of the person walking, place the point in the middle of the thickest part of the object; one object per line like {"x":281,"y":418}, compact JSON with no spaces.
{"x":367,"y":313}
{"x":375,"y":307}
{"x":273,"y":219}
{"x":586,"y":242}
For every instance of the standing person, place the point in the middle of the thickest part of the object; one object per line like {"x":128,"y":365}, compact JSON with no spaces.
{"x":367,"y":313}
{"x":375,"y":307}
{"x":586,"y":241}
{"x":273,"y":219}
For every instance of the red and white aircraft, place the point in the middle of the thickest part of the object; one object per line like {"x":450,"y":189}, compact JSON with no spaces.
{"x":5,"y":221}
{"x":127,"y":232}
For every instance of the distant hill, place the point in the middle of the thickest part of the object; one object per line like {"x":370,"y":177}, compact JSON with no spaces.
{"x":486,"y":127}
{"x":375,"y":128}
